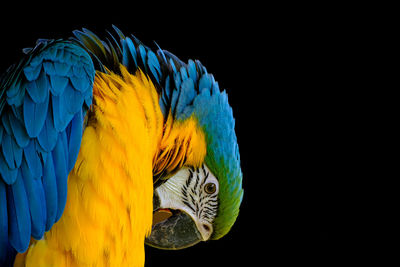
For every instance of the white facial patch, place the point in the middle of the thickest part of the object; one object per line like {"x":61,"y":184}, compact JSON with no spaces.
{"x":194,"y":191}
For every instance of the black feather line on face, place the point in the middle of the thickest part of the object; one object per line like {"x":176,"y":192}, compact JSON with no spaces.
{"x":203,"y":205}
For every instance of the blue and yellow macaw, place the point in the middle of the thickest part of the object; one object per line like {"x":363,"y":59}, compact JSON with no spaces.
{"x":107,"y":145}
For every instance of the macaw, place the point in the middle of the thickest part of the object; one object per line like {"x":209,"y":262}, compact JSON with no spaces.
{"x":107,"y":146}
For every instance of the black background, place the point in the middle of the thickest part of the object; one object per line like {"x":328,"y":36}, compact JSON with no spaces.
{"x":285,"y":70}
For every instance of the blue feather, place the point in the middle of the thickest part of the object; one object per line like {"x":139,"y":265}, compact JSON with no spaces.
{"x":174,"y":100}
{"x":192,"y":70}
{"x":18,"y":113}
{"x":35,"y":194}
{"x":6,"y":123}
{"x":78,"y":71}
{"x":35,"y":115}
{"x":154,"y":65}
{"x":163,"y":102}
{"x":90,"y":73}
{"x":15,"y":94}
{"x":19,"y":217}
{"x":184,"y":74}
{"x":48,"y":136}
{"x":60,"y":54}
{"x":50,"y":53}
{"x":34,"y":171}
{"x":74,"y":139}
{"x":142,"y":52}
{"x":125,"y":55}
{"x":35,"y":61}
{"x":14,"y":88}
{"x":64,"y":141}
{"x":60,"y":114}
{"x":41,"y":152}
{"x":3,"y":221}
{"x":20,"y":134}
{"x":38,"y":89}
{"x":172,"y":64}
{"x":9,"y":175}
{"x":7,"y":253}
{"x":7,"y":149}
{"x":58,"y":84}
{"x":132,"y":49}
{"x":177,"y":80}
{"x":73,"y":99}
{"x":32,"y":72}
{"x":17,"y":152}
{"x":80,"y":83}
{"x":49,"y":68}
{"x":50,"y":189}
{"x":62,"y":69}
{"x":12,"y":155}
{"x":205,"y":82}
{"x":33,"y":160}
{"x":186,"y":96}
{"x":60,"y":167}
{"x":88,"y":99}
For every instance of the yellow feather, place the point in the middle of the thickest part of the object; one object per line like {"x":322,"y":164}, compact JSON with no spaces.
{"x":110,"y":190}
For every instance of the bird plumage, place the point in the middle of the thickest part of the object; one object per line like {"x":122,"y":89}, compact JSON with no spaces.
{"x":141,"y":117}
{"x":40,"y":137}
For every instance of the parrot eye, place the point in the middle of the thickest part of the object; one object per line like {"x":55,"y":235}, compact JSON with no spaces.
{"x":210,"y":188}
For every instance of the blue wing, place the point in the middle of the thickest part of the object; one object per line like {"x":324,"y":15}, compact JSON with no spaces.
{"x":43,"y":101}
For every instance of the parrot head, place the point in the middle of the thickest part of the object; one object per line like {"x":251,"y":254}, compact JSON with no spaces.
{"x":201,"y":200}
{"x":196,"y":171}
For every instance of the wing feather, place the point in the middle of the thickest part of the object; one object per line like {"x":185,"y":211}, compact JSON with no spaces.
{"x":43,"y":101}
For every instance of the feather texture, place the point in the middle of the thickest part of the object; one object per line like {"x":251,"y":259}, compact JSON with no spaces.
{"x":102,"y":198}
{"x":19,"y":217}
{"x":40,"y":96}
{"x":150,"y":116}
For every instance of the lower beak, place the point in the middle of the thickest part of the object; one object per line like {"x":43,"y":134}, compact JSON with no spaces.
{"x":177,"y":232}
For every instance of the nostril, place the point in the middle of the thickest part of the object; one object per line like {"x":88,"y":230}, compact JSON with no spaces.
{"x":206,"y":227}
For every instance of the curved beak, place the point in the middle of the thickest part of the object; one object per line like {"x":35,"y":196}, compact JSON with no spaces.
{"x":176,"y":225}
{"x":178,"y":231}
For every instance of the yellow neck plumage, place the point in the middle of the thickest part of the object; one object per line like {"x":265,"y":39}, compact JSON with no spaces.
{"x":126,"y":143}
